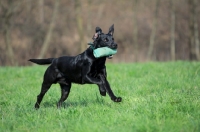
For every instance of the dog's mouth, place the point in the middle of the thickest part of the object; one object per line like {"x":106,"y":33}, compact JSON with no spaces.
{"x":114,"y":47}
{"x":110,"y":56}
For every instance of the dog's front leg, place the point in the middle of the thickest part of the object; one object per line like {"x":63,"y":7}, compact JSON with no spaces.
{"x":87,"y":78}
{"x":91,"y":80}
{"x":102,"y":89}
{"x":108,"y":89}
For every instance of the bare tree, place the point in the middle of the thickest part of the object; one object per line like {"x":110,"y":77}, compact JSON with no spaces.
{"x":50,"y":30}
{"x":41,"y":11}
{"x":196,"y":31}
{"x":153,"y":32}
{"x":79,"y":22}
{"x":193,"y":32}
{"x":135,"y":29}
{"x":173,"y":20}
{"x":89,"y":19}
{"x":9,"y":9}
{"x":28,"y":10}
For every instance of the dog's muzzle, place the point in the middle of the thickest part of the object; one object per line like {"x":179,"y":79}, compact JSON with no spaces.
{"x":113,"y":46}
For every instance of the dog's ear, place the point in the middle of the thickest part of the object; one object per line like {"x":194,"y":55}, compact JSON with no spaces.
{"x":111,"y":30}
{"x":98,"y":32}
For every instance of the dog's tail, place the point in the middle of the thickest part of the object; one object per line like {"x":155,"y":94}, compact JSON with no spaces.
{"x":42,"y":61}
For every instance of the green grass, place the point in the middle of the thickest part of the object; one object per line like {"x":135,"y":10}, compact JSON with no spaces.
{"x":157,"y":97}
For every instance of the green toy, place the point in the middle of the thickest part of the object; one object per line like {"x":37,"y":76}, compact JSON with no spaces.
{"x":103,"y":51}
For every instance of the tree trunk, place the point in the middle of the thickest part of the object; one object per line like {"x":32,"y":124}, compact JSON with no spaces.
{"x":89,"y":20}
{"x":9,"y":9}
{"x":135,"y":29}
{"x":50,"y":30}
{"x":6,"y":31}
{"x":41,"y":11}
{"x":173,"y":20}
{"x":79,"y":23}
{"x":196,"y":31}
{"x":9,"y":48}
{"x":192,"y":50}
{"x":153,"y":32}
{"x":28,"y":10}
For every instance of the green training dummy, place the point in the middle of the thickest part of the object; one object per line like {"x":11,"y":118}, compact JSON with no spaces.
{"x":103,"y":51}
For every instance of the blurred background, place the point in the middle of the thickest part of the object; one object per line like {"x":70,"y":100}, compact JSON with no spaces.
{"x":145,"y":30}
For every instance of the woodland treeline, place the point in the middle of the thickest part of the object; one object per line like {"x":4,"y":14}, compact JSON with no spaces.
{"x":145,"y":30}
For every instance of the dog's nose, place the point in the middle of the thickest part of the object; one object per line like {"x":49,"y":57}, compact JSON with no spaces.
{"x":114,"y":45}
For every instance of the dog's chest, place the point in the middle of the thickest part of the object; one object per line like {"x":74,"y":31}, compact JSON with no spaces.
{"x":97,"y":67}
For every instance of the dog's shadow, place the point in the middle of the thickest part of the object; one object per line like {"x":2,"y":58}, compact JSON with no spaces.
{"x":83,"y":103}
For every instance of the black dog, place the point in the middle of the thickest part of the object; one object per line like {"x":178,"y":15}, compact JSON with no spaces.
{"x":82,"y":69}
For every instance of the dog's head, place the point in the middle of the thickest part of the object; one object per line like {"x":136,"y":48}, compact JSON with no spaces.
{"x":104,"y":40}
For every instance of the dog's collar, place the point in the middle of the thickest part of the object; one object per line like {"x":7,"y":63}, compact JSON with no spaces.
{"x":91,"y":45}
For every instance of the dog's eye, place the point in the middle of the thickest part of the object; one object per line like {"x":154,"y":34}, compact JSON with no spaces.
{"x":113,"y":39}
{"x":106,"y":40}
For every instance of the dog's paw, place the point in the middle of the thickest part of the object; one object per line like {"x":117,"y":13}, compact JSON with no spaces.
{"x":59,"y":105}
{"x":37,"y":106}
{"x":103,"y":93}
{"x":117,"y":99}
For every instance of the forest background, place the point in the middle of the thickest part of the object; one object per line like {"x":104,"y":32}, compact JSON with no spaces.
{"x":145,"y":30}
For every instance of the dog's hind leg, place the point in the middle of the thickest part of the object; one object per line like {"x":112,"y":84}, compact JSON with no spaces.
{"x":48,"y":80}
{"x":44,"y":89}
{"x":65,"y":90}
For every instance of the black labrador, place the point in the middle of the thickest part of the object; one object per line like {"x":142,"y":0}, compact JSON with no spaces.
{"x":81,"y":69}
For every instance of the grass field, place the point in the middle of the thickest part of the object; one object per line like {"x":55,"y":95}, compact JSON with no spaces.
{"x":157,"y":97}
